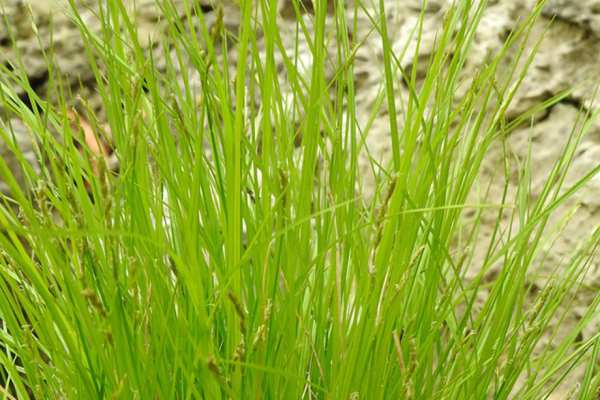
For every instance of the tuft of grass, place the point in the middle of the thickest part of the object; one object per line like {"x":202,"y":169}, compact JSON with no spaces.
{"x":235,"y":253}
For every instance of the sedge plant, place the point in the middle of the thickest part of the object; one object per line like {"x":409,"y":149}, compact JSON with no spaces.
{"x":236,"y":254}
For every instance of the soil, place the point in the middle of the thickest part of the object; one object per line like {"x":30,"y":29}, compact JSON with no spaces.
{"x":567,"y":58}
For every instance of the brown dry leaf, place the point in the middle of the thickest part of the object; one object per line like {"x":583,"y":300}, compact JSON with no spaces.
{"x":98,"y":148}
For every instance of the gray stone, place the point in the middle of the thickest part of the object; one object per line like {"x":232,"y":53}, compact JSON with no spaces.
{"x":584,"y":13}
{"x":16,"y":142}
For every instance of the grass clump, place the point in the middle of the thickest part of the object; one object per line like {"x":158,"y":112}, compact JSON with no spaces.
{"x":235,"y":253}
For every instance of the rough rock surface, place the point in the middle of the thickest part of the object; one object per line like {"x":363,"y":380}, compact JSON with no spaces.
{"x":584,"y":13}
{"x":567,"y":58}
{"x":16,"y":135}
